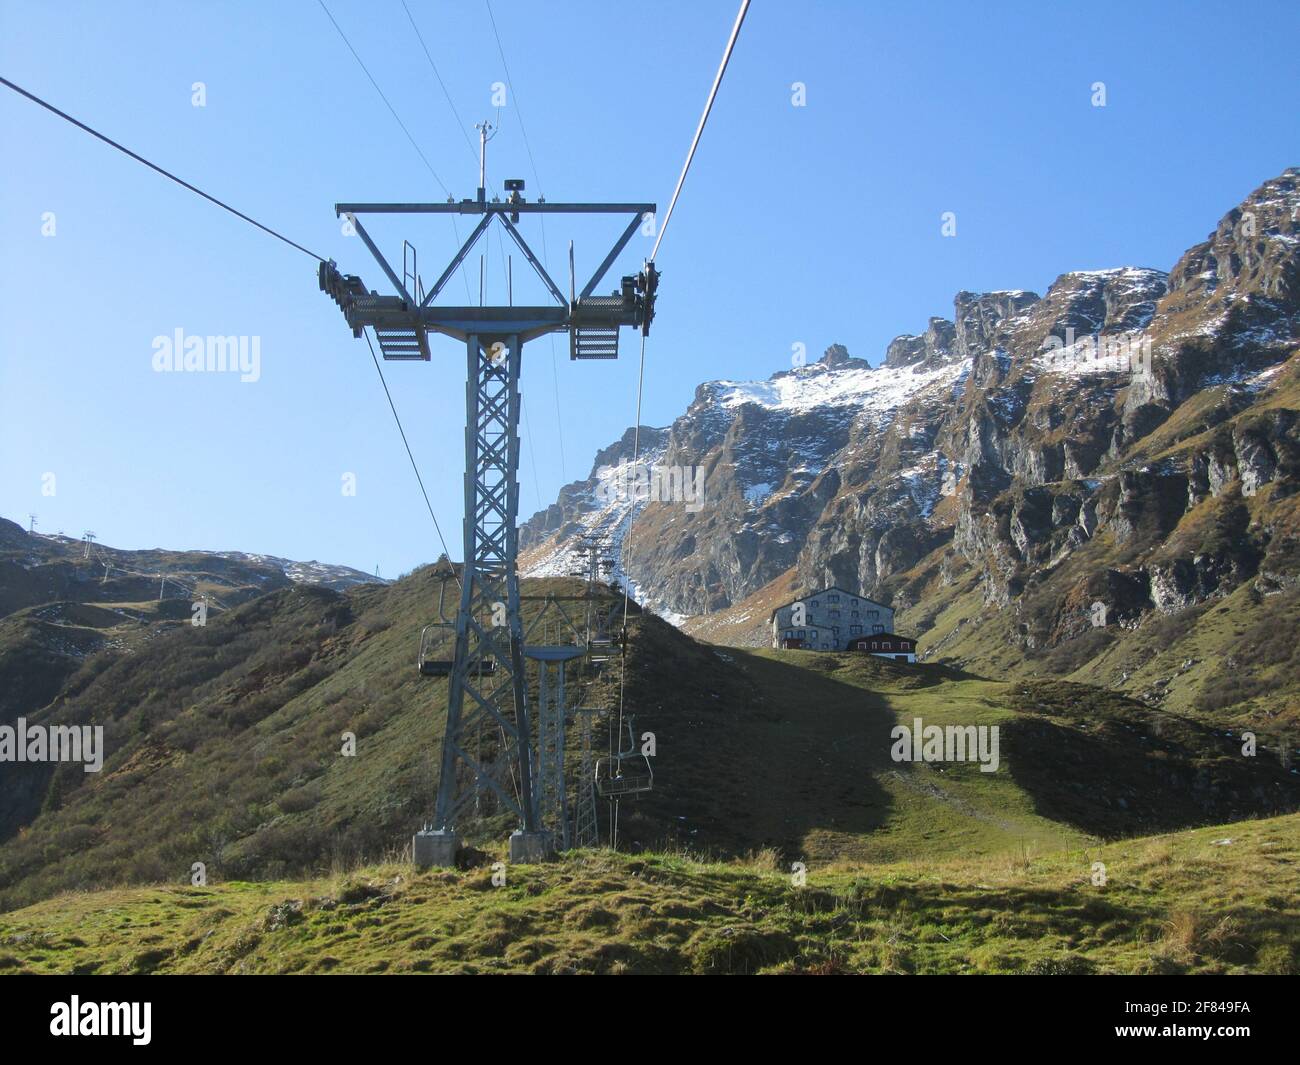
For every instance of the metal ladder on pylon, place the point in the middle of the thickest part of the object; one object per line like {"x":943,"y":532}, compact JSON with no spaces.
{"x":399,"y":343}
{"x":595,"y":341}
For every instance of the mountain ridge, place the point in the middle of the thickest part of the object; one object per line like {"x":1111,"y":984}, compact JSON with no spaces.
{"x":1108,"y":441}
{"x":63,"y":600}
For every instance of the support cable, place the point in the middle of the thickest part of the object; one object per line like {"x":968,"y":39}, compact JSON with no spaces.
{"x":438,"y":528}
{"x":640,"y":379}
{"x":546,"y":254}
{"x":518,"y":110}
{"x":154,"y":166}
{"x":717,"y":81}
{"x":391,"y":110}
{"x":455,"y":114}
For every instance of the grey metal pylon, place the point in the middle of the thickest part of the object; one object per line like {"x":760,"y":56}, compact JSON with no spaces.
{"x":488,"y":671}
{"x":553,"y":641}
{"x":552,"y":793}
{"x":488,"y":683}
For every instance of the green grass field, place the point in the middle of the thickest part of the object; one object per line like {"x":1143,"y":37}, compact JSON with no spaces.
{"x":1212,"y":900}
{"x":224,"y":748}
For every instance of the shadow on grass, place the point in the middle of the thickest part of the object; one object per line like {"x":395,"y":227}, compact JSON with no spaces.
{"x":755,"y":752}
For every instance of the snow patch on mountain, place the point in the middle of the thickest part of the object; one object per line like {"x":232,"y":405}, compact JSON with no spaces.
{"x":878,"y":391}
{"x":607,"y":511}
{"x":313,"y":572}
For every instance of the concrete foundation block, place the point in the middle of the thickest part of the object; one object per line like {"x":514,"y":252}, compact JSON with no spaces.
{"x":430,"y":848}
{"x":528,"y":848}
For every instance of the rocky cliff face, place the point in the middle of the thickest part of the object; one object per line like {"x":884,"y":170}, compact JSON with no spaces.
{"x":1126,"y":437}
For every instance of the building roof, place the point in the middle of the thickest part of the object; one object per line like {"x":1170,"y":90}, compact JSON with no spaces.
{"x":881,"y":636}
{"x":831,"y":588}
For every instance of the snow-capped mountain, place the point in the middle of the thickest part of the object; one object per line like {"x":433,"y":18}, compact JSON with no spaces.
{"x":326,"y":574}
{"x":1065,"y":441}
{"x":46,"y":568}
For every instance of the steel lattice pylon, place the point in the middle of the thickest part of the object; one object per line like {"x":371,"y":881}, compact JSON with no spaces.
{"x":554,"y":641}
{"x":487,"y":685}
{"x":552,"y":798}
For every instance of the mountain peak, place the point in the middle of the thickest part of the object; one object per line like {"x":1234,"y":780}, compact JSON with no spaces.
{"x":837,"y":357}
{"x":937,"y":344}
{"x":1251,"y":253}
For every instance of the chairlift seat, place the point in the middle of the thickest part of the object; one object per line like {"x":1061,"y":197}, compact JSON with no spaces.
{"x":624,"y":775}
{"x":437,"y":650}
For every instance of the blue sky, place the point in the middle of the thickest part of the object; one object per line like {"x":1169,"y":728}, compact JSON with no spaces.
{"x":812,"y":225}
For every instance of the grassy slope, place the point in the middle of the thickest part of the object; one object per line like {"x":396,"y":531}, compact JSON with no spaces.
{"x":802,"y":764}
{"x":43,"y":646}
{"x":224,"y":747}
{"x":808,"y":768}
{"x":1215,"y":900}
{"x":1230,"y":661}
{"x":1227,"y":661}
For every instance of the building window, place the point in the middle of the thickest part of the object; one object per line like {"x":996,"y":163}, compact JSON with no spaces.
{"x":875,"y":646}
{"x":832,"y":599}
{"x":877,"y":628}
{"x":873,"y":613}
{"x":812,"y":633}
{"x":814,"y":602}
{"x":854,"y":629}
{"x":789,"y":634}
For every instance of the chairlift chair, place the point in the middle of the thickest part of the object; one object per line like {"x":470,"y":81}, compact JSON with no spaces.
{"x":626,"y":773}
{"x":603,"y":641}
{"x":437,"y":649}
{"x":438,"y":642}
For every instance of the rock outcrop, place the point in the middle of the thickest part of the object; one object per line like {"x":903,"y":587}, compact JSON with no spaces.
{"x":1096,"y":437}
